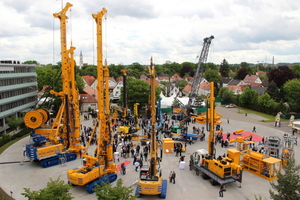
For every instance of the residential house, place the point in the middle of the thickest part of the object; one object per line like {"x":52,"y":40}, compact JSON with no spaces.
{"x":162,"y":77}
{"x":88,"y":99}
{"x":225,"y":81}
{"x":170,"y":89}
{"x":259,"y":90}
{"x":143,"y":77}
{"x":252,"y":80}
{"x":90,"y":81}
{"x":175,"y":78}
{"x":117,"y":90}
{"x":204,"y":88}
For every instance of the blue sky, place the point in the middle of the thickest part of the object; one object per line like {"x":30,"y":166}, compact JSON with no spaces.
{"x":245,"y":31}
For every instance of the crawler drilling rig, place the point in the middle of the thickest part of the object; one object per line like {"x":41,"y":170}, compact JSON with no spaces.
{"x":100,"y":168}
{"x":59,"y":142}
{"x":151,"y":181}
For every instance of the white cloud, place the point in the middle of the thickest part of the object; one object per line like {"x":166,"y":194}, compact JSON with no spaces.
{"x":135,"y":30}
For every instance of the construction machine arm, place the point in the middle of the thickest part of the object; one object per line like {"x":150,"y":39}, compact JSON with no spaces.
{"x":197,"y":78}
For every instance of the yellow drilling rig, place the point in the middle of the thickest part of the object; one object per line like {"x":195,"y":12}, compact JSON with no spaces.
{"x":58,"y":142}
{"x":98,"y":168}
{"x":151,"y":181}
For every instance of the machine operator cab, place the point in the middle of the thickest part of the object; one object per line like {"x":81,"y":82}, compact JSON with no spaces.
{"x":145,"y":176}
{"x":198,"y":156}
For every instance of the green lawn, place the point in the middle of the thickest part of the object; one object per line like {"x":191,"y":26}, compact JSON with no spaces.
{"x":271,"y":118}
{"x":11,"y":143}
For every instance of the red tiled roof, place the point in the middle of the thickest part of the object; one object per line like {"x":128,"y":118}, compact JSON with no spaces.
{"x":250,"y":78}
{"x":91,"y":92}
{"x":261,"y":73}
{"x":86,"y":98}
{"x":187,"y":89}
{"x":156,"y":83}
{"x":205,"y":85}
{"x":89,"y":79}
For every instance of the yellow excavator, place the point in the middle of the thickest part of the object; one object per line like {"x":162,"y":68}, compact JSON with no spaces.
{"x":58,"y":142}
{"x":151,"y":181}
{"x":98,"y":168}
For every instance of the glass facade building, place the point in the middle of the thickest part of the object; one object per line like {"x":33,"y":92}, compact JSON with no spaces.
{"x":18,"y":90}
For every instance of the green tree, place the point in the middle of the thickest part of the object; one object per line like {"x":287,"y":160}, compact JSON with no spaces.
{"x":14,"y":122}
{"x":119,"y":192}
{"x":79,"y":82}
{"x":224,"y":68}
{"x":171,"y":68}
{"x":241,"y":73}
{"x":32,"y":62}
{"x":210,"y":66}
{"x":56,"y":189}
{"x":181,"y":84}
{"x":249,"y":97}
{"x":115,"y":70}
{"x":287,"y":186}
{"x":138,"y":91}
{"x":273,"y":91}
{"x":281,"y":75}
{"x":90,"y":70}
{"x":244,"y":65}
{"x":47,"y":76}
{"x":187,"y":68}
{"x":290,"y":88}
{"x":136,"y":70}
{"x":226,"y":94}
{"x":212,"y":76}
{"x":265,"y":102}
{"x":296,"y":70}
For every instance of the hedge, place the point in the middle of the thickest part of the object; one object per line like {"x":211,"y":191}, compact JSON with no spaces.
{"x":6,"y":137}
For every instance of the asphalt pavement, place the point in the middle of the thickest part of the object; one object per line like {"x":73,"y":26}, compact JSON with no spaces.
{"x":21,"y":174}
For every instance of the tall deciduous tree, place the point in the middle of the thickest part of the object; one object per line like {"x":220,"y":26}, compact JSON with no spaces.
{"x":181,"y":84}
{"x":136,"y":70}
{"x":244,"y":65}
{"x":115,"y":70}
{"x":265,"y":102}
{"x":171,"y":68}
{"x":249,"y":97}
{"x":273,"y":91}
{"x":281,"y":75}
{"x":56,"y":189}
{"x":138,"y":91}
{"x":212,"y":76}
{"x":287,"y":186}
{"x":224,"y":68}
{"x":90,"y":70}
{"x":290,"y":88}
{"x":241,"y":73}
{"x":187,"y":68}
{"x":296,"y":70}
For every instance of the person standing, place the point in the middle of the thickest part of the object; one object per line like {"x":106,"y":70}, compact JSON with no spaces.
{"x":172,"y":177}
{"x":123,"y":168}
{"x":136,"y":164}
{"x":227,"y":120}
{"x":254,"y":129}
{"x":222,"y":189}
{"x":24,"y":150}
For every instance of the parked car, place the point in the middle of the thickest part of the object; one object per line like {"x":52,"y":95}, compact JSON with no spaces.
{"x":231,"y":105}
